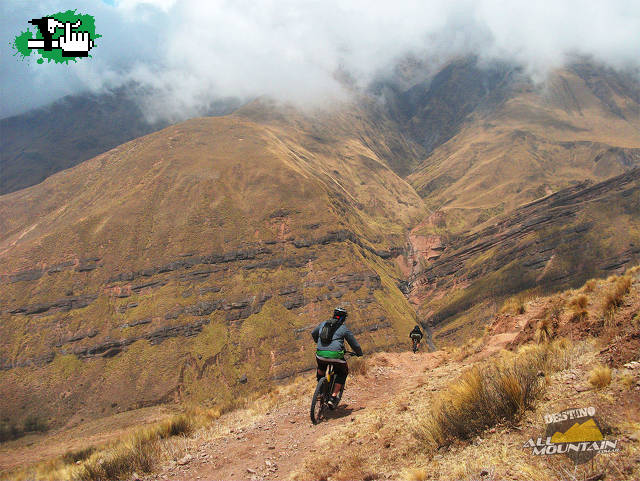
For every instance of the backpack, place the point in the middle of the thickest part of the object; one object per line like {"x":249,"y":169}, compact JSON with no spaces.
{"x":328,"y":330}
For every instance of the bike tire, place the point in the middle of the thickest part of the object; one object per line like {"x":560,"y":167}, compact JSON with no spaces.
{"x":318,"y":402}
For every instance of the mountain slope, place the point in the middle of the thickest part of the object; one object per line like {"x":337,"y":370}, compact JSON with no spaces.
{"x":582,"y":123}
{"x":44,"y":141}
{"x":590,"y":230}
{"x":206,"y":252}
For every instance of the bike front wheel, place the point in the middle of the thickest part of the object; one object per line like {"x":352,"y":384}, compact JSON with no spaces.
{"x":319,"y":401}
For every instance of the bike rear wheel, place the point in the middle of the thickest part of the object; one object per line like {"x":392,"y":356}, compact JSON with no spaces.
{"x":319,"y":401}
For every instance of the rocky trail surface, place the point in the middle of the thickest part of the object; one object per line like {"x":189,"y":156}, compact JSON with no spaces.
{"x":274,"y":444}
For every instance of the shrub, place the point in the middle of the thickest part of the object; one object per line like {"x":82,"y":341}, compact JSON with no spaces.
{"x":600,"y":377}
{"x":9,"y":431}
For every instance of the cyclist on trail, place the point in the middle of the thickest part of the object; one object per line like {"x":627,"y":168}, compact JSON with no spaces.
{"x":330,"y":336}
{"x":416,"y":336}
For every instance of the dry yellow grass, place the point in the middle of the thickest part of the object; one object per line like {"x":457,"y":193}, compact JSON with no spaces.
{"x":556,"y":308}
{"x":580,"y":301}
{"x":514,"y":305}
{"x":545,"y":331}
{"x":627,"y":380}
{"x":590,"y":285}
{"x":614,"y":298}
{"x":600,"y":377}
{"x":472,"y":346}
{"x":495,"y":392}
{"x":578,"y":308}
{"x":359,"y":366}
{"x":417,"y":474}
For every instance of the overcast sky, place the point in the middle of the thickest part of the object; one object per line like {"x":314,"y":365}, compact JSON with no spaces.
{"x":192,"y":51}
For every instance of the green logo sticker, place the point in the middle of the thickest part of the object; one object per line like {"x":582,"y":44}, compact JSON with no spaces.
{"x":60,"y":37}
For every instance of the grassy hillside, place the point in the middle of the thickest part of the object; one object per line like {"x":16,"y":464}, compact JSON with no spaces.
{"x":193,"y":262}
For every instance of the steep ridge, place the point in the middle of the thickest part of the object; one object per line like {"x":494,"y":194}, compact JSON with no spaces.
{"x":589,"y":230}
{"x":204,"y":252}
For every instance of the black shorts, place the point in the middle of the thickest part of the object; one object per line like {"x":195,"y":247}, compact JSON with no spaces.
{"x":340,"y":367}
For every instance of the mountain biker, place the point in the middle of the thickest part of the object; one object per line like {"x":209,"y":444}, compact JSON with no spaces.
{"x":416,"y":336}
{"x":330,"y":350}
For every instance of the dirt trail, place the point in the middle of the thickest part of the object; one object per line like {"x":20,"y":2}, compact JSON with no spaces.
{"x":276,"y":443}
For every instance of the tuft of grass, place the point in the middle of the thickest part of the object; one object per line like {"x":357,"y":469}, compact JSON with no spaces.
{"x":359,"y":366}
{"x":600,"y":377}
{"x":417,"y":474}
{"x":556,"y":308}
{"x":178,"y":425}
{"x":545,"y":332}
{"x":472,"y":346}
{"x":614,"y":298}
{"x":497,"y":392}
{"x":580,"y":301}
{"x":590,"y":285}
{"x":578,"y":308}
{"x":72,"y":457}
{"x":138,"y":454}
{"x":627,"y":380}
{"x":514,"y":305}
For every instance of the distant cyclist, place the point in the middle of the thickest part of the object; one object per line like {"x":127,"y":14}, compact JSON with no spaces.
{"x":330,"y":336}
{"x":416,"y":336}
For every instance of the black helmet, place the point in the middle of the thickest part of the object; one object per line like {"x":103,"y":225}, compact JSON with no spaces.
{"x":340,"y":313}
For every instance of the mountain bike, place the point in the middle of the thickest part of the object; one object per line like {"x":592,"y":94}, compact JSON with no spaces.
{"x":322,"y":394}
{"x":416,"y":343}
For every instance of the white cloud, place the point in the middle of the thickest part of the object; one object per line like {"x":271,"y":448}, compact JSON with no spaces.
{"x":194,"y":50}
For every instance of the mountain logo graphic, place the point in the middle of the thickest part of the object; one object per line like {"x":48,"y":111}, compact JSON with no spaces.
{"x":587,"y":431}
{"x":575,"y":433}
